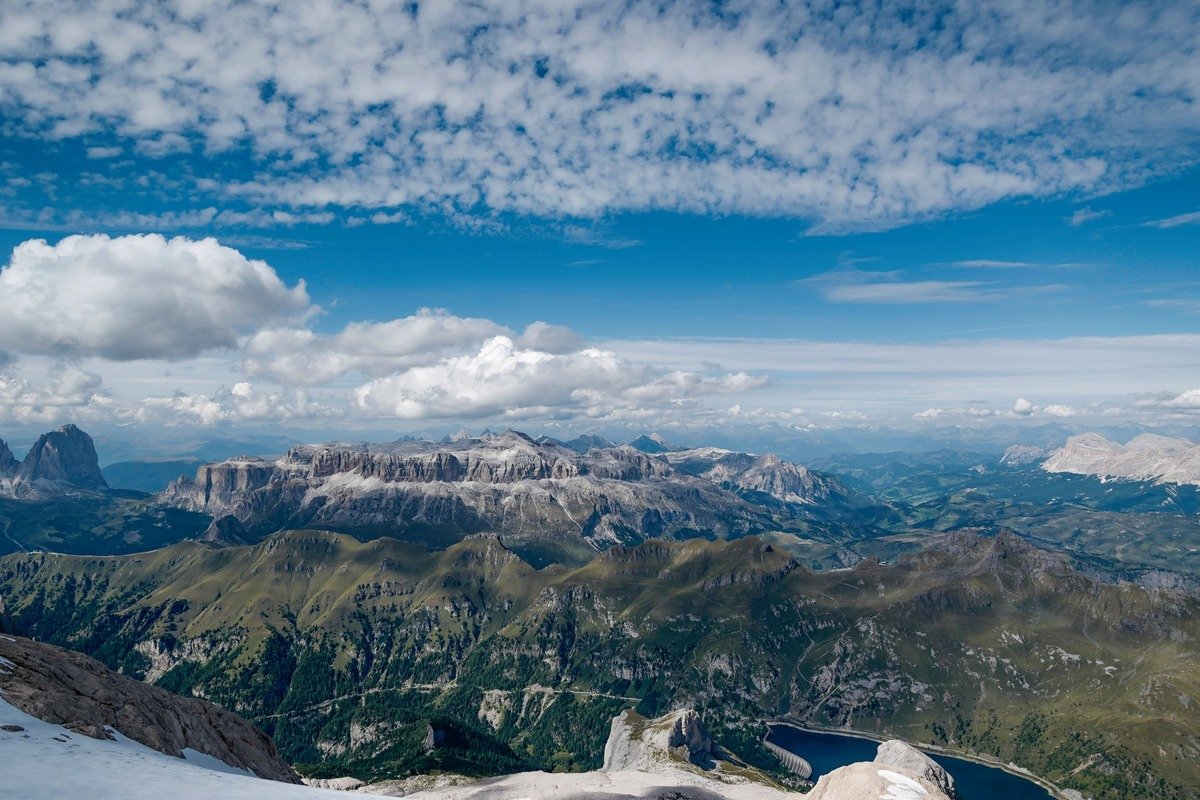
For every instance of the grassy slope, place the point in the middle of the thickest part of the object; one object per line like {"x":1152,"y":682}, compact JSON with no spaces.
{"x":106,"y":524}
{"x":986,"y":645}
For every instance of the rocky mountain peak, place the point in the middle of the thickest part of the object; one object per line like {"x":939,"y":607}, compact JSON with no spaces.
{"x":652,"y":443}
{"x":1021,"y":454}
{"x":63,"y":456}
{"x":8,"y":462}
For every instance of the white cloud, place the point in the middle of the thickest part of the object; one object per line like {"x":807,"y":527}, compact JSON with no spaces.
{"x":987,"y":263}
{"x":889,"y":288}
{"x":1179,"y":220}
{"x":103,"y":152}
{"x":1085,"y":215}
{"x":1059,"y":411}
{"x":505,"y":380}
{"x":1023,"y":407}
{"x":242,"y":403}
{"x":550,"y":338}
{"x":135,"y":297}
{"x":302,"y":357}
{"x":1182,"y":303}
{"x":866,"y":118}
{"x":70,"y":392}
{"x":1183,"y":401}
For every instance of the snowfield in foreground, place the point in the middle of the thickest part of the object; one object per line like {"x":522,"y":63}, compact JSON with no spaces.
{"x":48,"y":762}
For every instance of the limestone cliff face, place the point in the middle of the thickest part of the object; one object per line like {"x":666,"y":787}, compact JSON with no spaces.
{"x":635,"y":743}
{"x":67,"y":688}
{"x":530,"y":491}
{"x":217,"y":486}
{"x":64,"y":456}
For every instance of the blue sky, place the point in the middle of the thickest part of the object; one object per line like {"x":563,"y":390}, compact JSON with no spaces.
{"x":728,"y":215}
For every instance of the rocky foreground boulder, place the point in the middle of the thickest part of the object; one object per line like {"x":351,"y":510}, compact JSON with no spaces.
{"x":898,"y":771}
{"x":67,"y":688}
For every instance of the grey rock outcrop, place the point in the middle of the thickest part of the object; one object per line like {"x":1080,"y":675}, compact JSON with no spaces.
{"x":1021,"y":454}
{"x":67,"y":688}
{"x":640,"y":744}
{"x":63,"y":456}
{"x":895,"y":753}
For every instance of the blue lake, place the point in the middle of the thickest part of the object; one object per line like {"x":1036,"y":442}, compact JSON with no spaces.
{"x":828,"y":751}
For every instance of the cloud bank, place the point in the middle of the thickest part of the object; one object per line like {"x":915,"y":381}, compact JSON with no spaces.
{"x":854,"y":115}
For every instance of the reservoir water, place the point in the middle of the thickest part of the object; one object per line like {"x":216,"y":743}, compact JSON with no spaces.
{"x":828,"y":751}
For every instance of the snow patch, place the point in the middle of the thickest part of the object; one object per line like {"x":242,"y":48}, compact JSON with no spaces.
{"x":901,"y":787}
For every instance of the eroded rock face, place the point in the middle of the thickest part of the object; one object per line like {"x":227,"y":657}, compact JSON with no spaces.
{"x":67,"y":688}
{"x":63,"y":456}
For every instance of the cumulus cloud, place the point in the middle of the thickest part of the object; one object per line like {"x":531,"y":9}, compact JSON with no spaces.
{"x":137,"y":297}
{"x":505,"y":380}
{"x":1184,"y":401}
{"x":303,"y":357}
{"x":550,"y":338}
{"x":241,"y":403}
{"x":69,"y":392}
{"x":863,"y":117}
{"x":1023,"y":407}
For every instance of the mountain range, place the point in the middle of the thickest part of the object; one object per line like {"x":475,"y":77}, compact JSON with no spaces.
{"x":1147,"y":457}
{"x":550,"y":501}
{"x":346,"y":652}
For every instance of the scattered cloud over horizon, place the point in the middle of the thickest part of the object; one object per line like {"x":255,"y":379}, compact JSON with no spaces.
{"x":854,"y":118}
